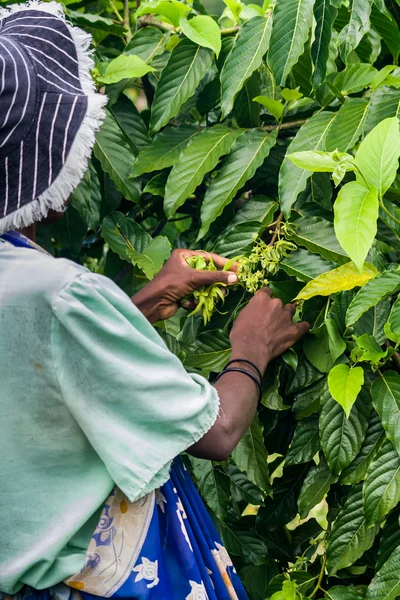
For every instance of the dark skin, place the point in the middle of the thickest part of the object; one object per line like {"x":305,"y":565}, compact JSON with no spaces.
{"x":263,"y":330}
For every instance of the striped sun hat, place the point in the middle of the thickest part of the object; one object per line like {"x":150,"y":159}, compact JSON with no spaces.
{"x":49,"y":111}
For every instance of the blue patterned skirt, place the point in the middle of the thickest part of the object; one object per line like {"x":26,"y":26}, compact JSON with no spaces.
{"x":162,"y":547}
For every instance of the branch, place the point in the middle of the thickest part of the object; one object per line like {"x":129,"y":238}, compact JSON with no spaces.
{"x":146,"y":20}
{"x":229,"y":30}
{"x":277,"y":228}
{"x":127,"y":20}
{"x":288,"y":125}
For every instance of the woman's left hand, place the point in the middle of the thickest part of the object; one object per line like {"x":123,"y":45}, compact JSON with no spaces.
{"x":160,"y":298}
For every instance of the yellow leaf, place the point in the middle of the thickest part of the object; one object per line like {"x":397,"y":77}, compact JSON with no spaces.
{"x":345,"y":277}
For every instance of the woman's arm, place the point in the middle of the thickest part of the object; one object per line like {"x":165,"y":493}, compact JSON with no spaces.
{"x":263,"y":330}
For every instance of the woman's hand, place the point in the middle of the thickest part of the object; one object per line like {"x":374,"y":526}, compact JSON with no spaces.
{"x":265,"y":329}
{"x":160,"y":298}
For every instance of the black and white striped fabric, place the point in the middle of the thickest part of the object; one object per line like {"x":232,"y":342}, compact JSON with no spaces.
{"x":42,"y":105}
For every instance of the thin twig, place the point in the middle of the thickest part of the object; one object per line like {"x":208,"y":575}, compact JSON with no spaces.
{"x":114,"y":8}
{"x":277,"y":228}
{"x":321,"y":575}
{"x":146,"y":20}
{"x":127,"y":19}
{"x":229,"y":30}
{"x":288,"y":125}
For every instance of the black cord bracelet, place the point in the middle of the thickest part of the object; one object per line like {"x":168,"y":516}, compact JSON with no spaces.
{"x":245,"y":372}
{"x":249,"y":362}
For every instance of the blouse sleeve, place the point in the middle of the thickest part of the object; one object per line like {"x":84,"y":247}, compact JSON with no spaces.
{"x":131,"y":396}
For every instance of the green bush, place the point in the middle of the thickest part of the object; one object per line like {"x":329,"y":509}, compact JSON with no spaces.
{"x":274,"y":123}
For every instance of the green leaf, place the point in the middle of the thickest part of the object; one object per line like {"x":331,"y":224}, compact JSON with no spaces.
{"x":282,"y":507}
{"x":307,"y":402}
{"x":386,"y":26}
{"x":246,"y":112}
{"x":359,"y":24}
{"x":348,"y":126}
{"x":245,"y":544}
{"x":246,"y":156}
{"x":384,"y":285}
{"x":389,"y":540}
{"x":345,"y":277}
{"x":385,"y":392}
{"x":185,"y":69}
{"x":317,"y":350}
{"x":325,"y":14}
{"x":356,"y":214}
{"x":394,"y":317}
{"x":273,"y":106}
{"x":350,"y":537}
{"x":86,"y":198}
{"x":345,"y":384}
{"x":382,"y":484}
{"x":213,"y":484}
{"x":202,"y":30}
{"x":271,"y":397}
{"x":288,"y":94}
{"x":245,"y":57}
{"x":311,"y":136}
{"x":374,"y":437}
{"x":386,"y":583}
{"x":94,"y":21}
{"x":242,"y":489}
{"x":251,"y":456}
{"x":125,"y":66}
{"x":116,"y":157}
{"x":137,"y":237}
{"x":305,"y":443}
{"x":373,"y":321}
{"x":315,"y":487}
{"x":130,"y":123}
{"x":239,"y":238}
{"x":152,"y":259}
{"x":372,"y":350}
{"x":321,"y":162}
{"x":354,"y":78}
{"x":164,"y":150}
{"x":305,"y":266}
{"x":172,"y":10}
{"x":199,"y":157}
{"x":305,"y":375}
{"x":378,"y":155}
{"x":318,"y":236}
{"x":292,"y":21}
{"x":384,"y":103}
{"x":342,"y":436}
{"x":212,"y":354}
{"x":147,"y":43}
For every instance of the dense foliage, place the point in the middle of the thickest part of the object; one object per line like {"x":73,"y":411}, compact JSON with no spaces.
{"x":239,"y":134}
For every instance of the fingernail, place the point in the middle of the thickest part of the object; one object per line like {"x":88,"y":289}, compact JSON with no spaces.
{"x":232,"y":278}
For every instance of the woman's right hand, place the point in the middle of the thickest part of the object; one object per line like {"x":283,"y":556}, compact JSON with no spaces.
{"x":264,"y":329}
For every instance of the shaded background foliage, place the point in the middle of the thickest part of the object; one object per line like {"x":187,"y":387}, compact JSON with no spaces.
{"x":308,"y":504}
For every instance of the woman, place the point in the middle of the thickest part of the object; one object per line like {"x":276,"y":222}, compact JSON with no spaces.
{"x":94,"y":407}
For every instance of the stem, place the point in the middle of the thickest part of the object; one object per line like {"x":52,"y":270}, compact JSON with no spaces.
{"x":229,"y":30}
{"x":389,"y":214}
{"x":327,"y":307}
{"x":127,"y":19}
{"x":149,"y":20}
{"x":277,"y":228}
{"x":321,"y":574}
{"x":114,"y":8}
{"x":288,"y":125}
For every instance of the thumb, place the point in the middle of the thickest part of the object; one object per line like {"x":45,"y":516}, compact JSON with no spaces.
{"x":209,"y":277}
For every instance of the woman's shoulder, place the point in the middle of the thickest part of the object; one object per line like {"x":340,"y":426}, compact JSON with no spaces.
{"x":27,"y":272}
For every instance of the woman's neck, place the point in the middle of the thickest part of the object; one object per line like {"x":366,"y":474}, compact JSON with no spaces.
{"x":29,"y":232}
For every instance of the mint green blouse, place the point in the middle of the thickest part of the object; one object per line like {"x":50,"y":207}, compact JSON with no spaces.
{"x":90,"y":397}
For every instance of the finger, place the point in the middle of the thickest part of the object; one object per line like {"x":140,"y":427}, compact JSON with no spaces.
{"x":302,"y":328}
{"x":200,"y":278}
{"x":291,"y":309}
{"x":189,"y":304}
{"x":219,"y":261}
{"x":265,"y":290}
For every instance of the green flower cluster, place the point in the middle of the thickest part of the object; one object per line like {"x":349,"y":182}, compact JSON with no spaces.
{"x":206,"y":296}
{"x":256,"y":269}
